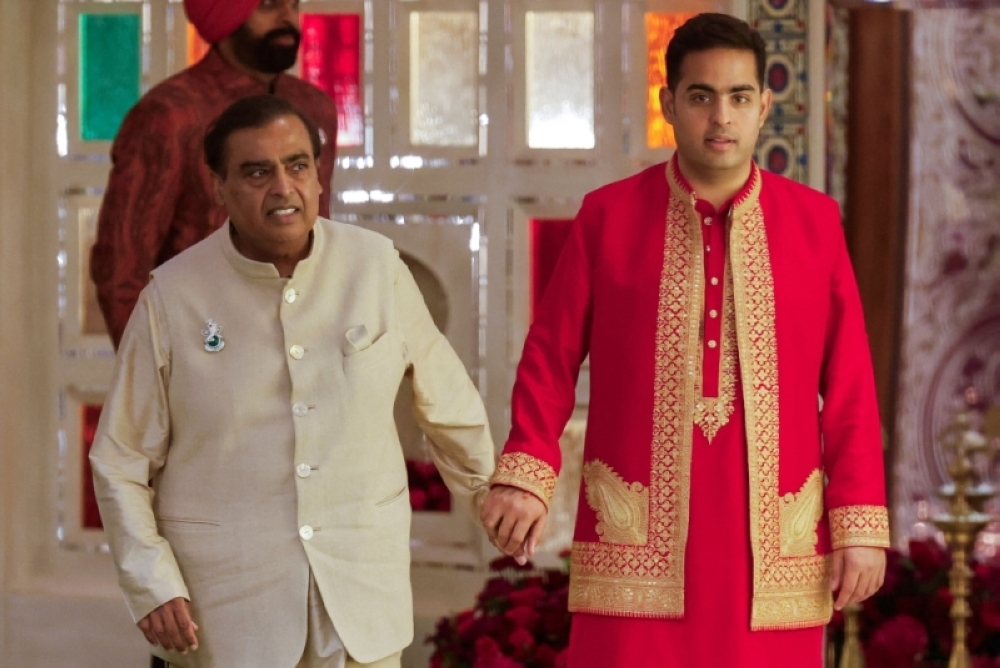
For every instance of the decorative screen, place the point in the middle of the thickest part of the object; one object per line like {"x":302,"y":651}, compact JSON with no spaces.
{"x":560,"y":79}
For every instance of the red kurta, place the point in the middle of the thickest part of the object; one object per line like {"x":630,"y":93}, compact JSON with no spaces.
{"x":159,"y":199}
{"x":704,"y":524}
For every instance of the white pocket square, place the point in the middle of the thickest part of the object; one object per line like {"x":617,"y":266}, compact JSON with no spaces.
{"x":358,"y":338}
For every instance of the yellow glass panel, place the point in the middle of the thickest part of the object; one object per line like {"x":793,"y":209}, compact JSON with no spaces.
{"x":660,"y":28}
{"x":196,"y":46}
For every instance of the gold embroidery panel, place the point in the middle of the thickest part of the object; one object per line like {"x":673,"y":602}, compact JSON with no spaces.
{"x":713,"y":413}
{"x":866,"y":526}
{"x":778,"y":579}
{"x":519,"y":469}
{"x":622,"y":509}
{"x":600,"y":570}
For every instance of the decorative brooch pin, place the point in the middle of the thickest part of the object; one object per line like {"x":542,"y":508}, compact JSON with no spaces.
{"x":213,"y":337}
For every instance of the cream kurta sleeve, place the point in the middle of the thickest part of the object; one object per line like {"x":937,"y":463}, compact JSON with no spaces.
{"x":446,"y":403}
{"x":129,"y":448}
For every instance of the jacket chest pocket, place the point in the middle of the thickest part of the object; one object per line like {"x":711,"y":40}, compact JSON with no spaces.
{"x":378,"y":351}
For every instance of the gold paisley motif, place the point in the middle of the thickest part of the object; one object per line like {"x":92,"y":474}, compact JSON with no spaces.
{"x":622,"y":509}
{"x":800,"y":514}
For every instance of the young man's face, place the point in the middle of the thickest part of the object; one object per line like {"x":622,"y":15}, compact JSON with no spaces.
{"x":270,"y":188}
{"x":717,"y":110}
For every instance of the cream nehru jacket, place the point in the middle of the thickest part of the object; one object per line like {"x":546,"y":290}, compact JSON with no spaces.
{"x":272,"y":450}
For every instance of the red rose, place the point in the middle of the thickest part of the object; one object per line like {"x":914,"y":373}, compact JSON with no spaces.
{"x":418,"y":499}
{"x":562,"y":659}
{"x":898,"y":643}
{"x":509,"y":563}
{"x":989,"y":613}
{"x":523,"y":616}
{"x":522,"y":642}
{"x":464,"y":621}
{"x":528,"y":596}
{"x":545,"y":656}
{"x":486,"y":648}
{"x":929,"y":559}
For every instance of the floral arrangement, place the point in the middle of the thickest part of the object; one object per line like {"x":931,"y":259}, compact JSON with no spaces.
{"x":427,"y":489}
{"x":520,"y":619}
{"x":907,"y":624}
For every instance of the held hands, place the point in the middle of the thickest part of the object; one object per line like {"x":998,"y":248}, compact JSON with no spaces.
{"x":170,"y":626}
{"x":858,"y":572}
{"x":514,"y":520}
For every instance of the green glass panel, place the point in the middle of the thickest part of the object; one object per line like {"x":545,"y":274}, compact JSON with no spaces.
{"x":110,"y":62}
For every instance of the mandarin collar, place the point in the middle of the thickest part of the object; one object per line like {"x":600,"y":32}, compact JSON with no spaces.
{"x":254,"y":269}
{"x":746,"y":195}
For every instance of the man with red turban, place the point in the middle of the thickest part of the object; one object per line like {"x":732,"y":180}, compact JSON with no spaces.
{"x":159,"y":196}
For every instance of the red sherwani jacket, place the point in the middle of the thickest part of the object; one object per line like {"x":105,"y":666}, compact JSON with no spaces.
{"x":628,"y":291}
{"x":159,"y":199}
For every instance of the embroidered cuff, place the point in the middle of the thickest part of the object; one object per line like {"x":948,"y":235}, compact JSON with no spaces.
{"x":519,"y":469}
{"x":859,"y":526}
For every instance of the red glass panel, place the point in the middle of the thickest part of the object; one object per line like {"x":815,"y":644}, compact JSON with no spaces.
{"x":331,"y":60}
{"x":89,"y":415}
{"x":548,"y":236}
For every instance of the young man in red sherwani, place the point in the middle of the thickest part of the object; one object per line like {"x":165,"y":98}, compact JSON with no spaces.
{"x":733,"y":476}
{"x":159,"y":198}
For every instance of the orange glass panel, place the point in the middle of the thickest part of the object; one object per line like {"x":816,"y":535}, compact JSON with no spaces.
{"x":196,"y":46}
{"x":660,"y":28}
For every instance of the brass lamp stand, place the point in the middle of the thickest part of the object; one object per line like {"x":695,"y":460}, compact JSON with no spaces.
{"x":961,"y":524}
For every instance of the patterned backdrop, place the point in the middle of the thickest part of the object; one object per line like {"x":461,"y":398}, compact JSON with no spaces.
{"x":951,"y":320}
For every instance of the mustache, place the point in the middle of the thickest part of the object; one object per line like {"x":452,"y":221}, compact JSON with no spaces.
{"x":288,"y":31}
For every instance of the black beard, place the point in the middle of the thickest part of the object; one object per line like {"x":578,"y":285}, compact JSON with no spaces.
{"x":262,"y":53}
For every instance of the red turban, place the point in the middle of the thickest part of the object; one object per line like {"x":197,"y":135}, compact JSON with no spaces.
{"x":216,"y":20}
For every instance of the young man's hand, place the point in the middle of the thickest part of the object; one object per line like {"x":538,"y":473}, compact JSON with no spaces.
{"x":514,"y":520}
{"x":858,"y":572}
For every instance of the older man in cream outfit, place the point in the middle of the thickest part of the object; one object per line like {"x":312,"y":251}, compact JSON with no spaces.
{"x":247,"y":464}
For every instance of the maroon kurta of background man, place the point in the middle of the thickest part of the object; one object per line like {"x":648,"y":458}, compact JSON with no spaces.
{"x":159,"y":199}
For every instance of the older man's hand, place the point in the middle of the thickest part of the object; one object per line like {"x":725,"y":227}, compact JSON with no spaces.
{"x":514,"y":520}
{"x":858,"y":572}
{"x":170,"y":626}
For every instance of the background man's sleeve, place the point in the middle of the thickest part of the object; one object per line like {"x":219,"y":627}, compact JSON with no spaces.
{"x":545,"y":390}
{"x":446,"y":403}
{"x":137,"y":211}
{"x":851,"y":428}
{"x":129,"y":448}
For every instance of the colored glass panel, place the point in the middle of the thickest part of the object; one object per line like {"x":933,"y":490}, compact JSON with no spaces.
{"x":548,"y":237}
{"x":331,"y":60}
{"x":110,"y":70}
{"x":444,"y":78}
{"x":660,"y":30}
{"x":559,"y":57}
{"x":196,"y":46}
{"x":91,"y":516}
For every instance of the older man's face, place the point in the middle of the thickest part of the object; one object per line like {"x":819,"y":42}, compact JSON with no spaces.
{"x":271,"y":189}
